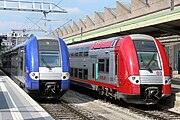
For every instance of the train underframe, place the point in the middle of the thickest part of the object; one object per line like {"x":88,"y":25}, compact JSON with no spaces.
{"x":149,"y":94}
{"x":47,"y":89}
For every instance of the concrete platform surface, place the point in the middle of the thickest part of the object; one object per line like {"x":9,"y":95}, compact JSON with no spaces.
{"x":15,"y":104}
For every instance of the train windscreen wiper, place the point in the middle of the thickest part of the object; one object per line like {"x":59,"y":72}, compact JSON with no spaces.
{"x":48,"y":66}
{"x":148,"y":66}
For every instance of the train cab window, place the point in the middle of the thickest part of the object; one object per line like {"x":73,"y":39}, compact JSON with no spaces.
{"x":101,"y":64}
{"x":149,"y":61}
{"x":143,"y":45}
{"x":148,"y":56}
{"x":50,"y":59}
{"x":49,"y":55}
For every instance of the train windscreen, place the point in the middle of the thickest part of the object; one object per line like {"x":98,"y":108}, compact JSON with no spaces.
{"x":49,"y":53}
{"x":148,"y":56}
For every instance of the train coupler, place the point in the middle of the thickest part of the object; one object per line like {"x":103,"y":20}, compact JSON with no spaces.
{"x":50,"y":87}
{"x":151,"y":93}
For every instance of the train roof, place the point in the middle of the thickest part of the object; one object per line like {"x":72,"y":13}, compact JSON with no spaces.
{"x":109,"y":42}
{"x":46,"y":37}
{"x":141,"y":37}
{"x":21,"y":45}
{"x":103,"y":43}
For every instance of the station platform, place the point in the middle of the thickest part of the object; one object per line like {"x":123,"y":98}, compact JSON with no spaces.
{"x":176,"y":92}
{"x":15,"y":104}
{"x":173,"y":102}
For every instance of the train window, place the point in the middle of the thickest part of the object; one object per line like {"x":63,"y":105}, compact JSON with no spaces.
{"x":48,"y":45}
{"x":149,"y":61}
{"x":75,"y":72}
{"x":85,"y":53}
{"x":49,"y":55}
{"x":80,"y":73}
{"x":116,"y":64}
{"x":86,"y":74}
{"x":76,"y":54}
{"x":49,"y":59}
{"x":107,"y":65}
{"x":71,"y":72}
{"x":93,"y":67}
{"x":71,"y":54}
{"x":80,"y":53}
{"x":101,"y":65}
{"x":143,"y":45}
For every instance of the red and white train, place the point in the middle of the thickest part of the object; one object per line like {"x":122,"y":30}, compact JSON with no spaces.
{"x":134,"y":68}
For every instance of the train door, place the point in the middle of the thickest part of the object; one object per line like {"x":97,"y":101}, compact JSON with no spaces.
{"x":21,"y":63}
{"x":95,"y":74}
{"x":112,"y":68}
{"x":103,"y":69}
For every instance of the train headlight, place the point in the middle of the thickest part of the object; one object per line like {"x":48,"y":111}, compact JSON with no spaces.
{"x":34,"y":75}
{"x":65,"y":76}
{"x":167,"y":80}
{"x":134,"y":79}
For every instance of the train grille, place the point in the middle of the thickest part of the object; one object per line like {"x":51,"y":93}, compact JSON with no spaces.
{"x":151,"y":79}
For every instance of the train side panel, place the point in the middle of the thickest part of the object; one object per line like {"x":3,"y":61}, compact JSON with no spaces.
{"x":127,"y":66}
{"x":32,"y":64}
{"x":166,"y":89}
{"x":65,"y":64}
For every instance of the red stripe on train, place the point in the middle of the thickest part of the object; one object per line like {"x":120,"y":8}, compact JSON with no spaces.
{"x":95,"y":83}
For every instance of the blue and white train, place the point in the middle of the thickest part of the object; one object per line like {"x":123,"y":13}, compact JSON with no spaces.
{"x":40,"y":65}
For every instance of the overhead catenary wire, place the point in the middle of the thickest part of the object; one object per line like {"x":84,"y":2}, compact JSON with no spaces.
{"x":35,"y":23}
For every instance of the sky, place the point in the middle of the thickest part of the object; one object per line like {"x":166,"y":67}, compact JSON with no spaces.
{"x":34,"y":20}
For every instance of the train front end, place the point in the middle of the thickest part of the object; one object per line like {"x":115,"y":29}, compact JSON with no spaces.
{"x":47,"y":67}
{"x":147,"y":75}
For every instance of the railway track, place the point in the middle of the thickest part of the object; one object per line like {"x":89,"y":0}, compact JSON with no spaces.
{"x":149,"y":112}
{"x":65,"y":109}
{"x":61,"y":110}
{"x":160,"y":114}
